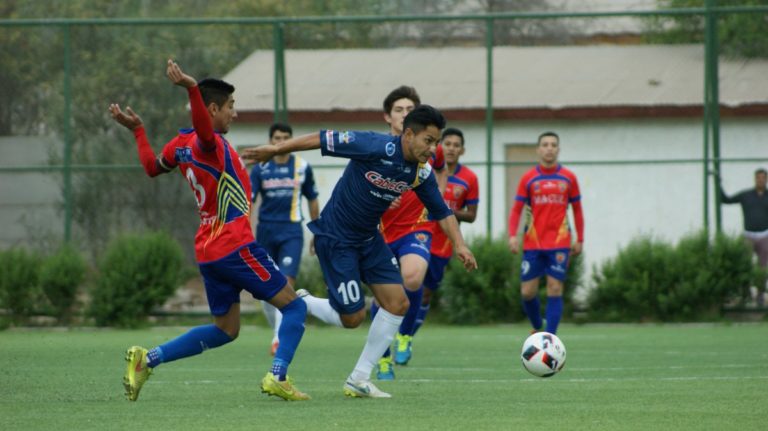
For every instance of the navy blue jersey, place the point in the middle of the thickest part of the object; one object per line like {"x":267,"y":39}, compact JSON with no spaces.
{"x":375,"y":176}
{"x":281,"y":186}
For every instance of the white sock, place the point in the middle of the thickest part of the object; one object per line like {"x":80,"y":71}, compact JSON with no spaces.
{"x":321,"y":308}
{"x":269,"y":313}
{"x":380,"y":336}
{"x":278,"y":322}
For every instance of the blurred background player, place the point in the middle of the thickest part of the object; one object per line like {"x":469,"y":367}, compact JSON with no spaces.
{"x":229,"y":259}
{"x":348,"y":243}
{"x":462,"y":194}
{"x":278,"y":186}
{"x":754,"y":206}
{"x":547,"y":189}
{"x":406,"y":230}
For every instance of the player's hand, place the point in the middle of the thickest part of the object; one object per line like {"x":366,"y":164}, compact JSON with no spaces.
{"x":312,"y":246}
{"x":576,"y":248}
{"x":262,"y":153}
{"x":514,"y":246}
{"x":466,"y":257}
{"x":128,"y":119}
{"x":177,"y":76}
{"x":395,"y":203}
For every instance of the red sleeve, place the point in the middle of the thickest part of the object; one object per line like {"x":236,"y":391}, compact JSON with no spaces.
{"x":147,"y":157}
{"x":438,"y":159}
{"x":514,"y":217}
{"x":201,"y":120}
{"x":578,"y":219}
{"x":473,"y":194}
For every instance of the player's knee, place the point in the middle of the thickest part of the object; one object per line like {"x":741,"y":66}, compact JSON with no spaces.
{"x":412,"y":281}
{"x":353,"y":320}
{"x":397,"y":306}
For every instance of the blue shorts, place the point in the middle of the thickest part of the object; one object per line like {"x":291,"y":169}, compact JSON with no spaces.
{"x":413,"y":243}
{"x":346,"y":265}
{"x":435,"y":272}
{"x":248,"y":268}
{"x":536,"y":263}
{"x":284,"y":242}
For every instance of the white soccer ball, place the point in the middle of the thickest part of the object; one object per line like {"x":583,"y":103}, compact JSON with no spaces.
{"x":543,"y":354}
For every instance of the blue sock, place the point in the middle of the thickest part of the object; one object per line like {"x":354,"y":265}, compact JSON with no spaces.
{"x":420,"y":316}
{"x":407,"y":327}
{"x":554,"y":312}
{"x":192,"y":343}
{"x":290,"y":332}
{"x":532,"y":308}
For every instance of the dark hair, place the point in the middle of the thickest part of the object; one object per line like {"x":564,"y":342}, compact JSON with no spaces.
{"x":282,"y":127}
{"x":401,"y":92}
{"x":761,"y":171}
{"x":215,"y":91}
{"x":553,"y":134}
{"x":422,"y":117}
{"x":452,"y":131}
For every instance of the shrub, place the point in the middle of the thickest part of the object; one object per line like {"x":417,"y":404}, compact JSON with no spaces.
{"x":492,"y":293}
{"x":137,"y":274}
{"x":19,"y":288}
{"x":60,"y":277}
{"x":653,"y":280}
{"x":311,"y":277}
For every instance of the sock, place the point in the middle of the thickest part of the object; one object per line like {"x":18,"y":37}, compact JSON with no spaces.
{"x":269,"y":313}
{"x":375,"y":309}
{"x":380,"y":336}
{"x":554,"y":312}
{"x":279,"y":369}
{"x":192,"y":343}
{"x":420,"y":316}
{"x":532,"y":308}
{"x":154,"y":357}
{"x":321,"y":308}
{"x":291,"y":331}
{"x":409,"y":320}
{"x":278,"y":322}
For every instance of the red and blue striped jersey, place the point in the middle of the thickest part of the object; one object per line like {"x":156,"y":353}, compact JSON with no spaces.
{"x":462,"y":190}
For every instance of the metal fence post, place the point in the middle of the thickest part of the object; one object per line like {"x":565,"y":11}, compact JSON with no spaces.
{"x":489,"y":125}
{"x":67,"y":133}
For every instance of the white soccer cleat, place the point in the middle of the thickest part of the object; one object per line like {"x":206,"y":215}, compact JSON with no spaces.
{"x":363,"y":389}
{"x":301,"y":293}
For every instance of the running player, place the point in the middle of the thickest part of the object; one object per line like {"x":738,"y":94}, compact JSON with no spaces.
{"x":348,"y":243}
{"x":229,"y":258}
{"x":280,"y":184}
{"x":548,"y":189}
{"x":462,"y":196}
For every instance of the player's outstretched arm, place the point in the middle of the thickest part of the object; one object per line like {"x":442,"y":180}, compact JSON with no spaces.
{"x":263,"y":153}
{"x":178,"y":77}
{"x":451,"y":228}
{"x":201,"y":118}
{"x":132,"y":122}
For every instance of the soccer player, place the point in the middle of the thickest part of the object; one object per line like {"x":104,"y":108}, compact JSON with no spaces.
{"x":229,"y":258}
{"x":547,"y":189}
{"x":280,"y":184}
{"x":348,"y":243}
{"x":462,"y":196}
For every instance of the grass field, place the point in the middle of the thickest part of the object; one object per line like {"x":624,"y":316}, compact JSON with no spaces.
{"x":649,"y":377}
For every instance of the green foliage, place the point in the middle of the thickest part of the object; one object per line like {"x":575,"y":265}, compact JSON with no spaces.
{"x":137,"y":274}
{"x":739,"y":34}
{"x":492,"y":293}
{"x":311,"y":277}
{"x":60,"y":278}
{"x":19,"y":288}
{"x":653,"y":280}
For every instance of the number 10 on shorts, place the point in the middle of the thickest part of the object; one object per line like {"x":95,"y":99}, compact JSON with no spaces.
{"x":349,"y":291}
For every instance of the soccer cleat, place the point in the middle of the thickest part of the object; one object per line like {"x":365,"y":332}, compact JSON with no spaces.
{"x":273,"y":349}
{"x":284,"y":389}
{"x":301,"y":293}
{"x":403,"y":349}
{"x":136,"y":373}
{"x":385,"y":371}
{"x":363,"y":389}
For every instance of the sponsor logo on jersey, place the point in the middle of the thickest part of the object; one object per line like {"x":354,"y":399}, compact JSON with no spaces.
{"x":329,"y":139}
{"x":424,"y":171}
{"x":346,"y":137}
{"x":555,"y":199}
{"x":279,"y":183}
{"x":183,"y":155}
{"x":379,"y":181}
{"x":390,"y":149}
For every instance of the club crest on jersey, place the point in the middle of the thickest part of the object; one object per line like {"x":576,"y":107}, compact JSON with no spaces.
{"x":536,"y":187}
{"x":346,"y":137}
{"x":390,"y":149}
{"x":457,"y":191}
{"x":424,"y":171}
{"x":379,"y":181}
{"x":563,"y":186}
{"x":183,"y":155}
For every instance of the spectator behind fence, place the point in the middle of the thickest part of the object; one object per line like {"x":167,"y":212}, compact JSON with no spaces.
{"x":754,"y":205}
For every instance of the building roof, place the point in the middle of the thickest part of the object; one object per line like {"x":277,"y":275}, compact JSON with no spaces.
{"x":638,"y":78}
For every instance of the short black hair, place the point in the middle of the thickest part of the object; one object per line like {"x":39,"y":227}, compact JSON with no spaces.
{"x":215,"y":91}
{"x":282,"y":127}
{"x":452,"y":131}
{"x":761,"y":171}
{"x":553,"y":134}
{"x":401,"y":92}
{"x":422,"y":117}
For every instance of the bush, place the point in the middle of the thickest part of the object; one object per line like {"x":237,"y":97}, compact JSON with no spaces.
{"x":60,"y":277}
{"x":492,"y":293}
{"x":653,"y":280}
{"x":311,"y":277}
{"x":137,"y":274}
{"x":19,"y":289}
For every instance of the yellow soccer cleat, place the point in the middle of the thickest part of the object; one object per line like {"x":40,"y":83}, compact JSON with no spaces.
{"x":272,"y":386}
{"x":403,"y":345}
{"x":136,"y":373}
{"x":385,"y":370}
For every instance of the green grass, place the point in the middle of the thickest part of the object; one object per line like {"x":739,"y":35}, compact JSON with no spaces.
{"x":617,"y":377}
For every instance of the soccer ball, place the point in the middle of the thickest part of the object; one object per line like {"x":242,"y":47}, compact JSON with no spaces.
{"x":543,"y":354}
